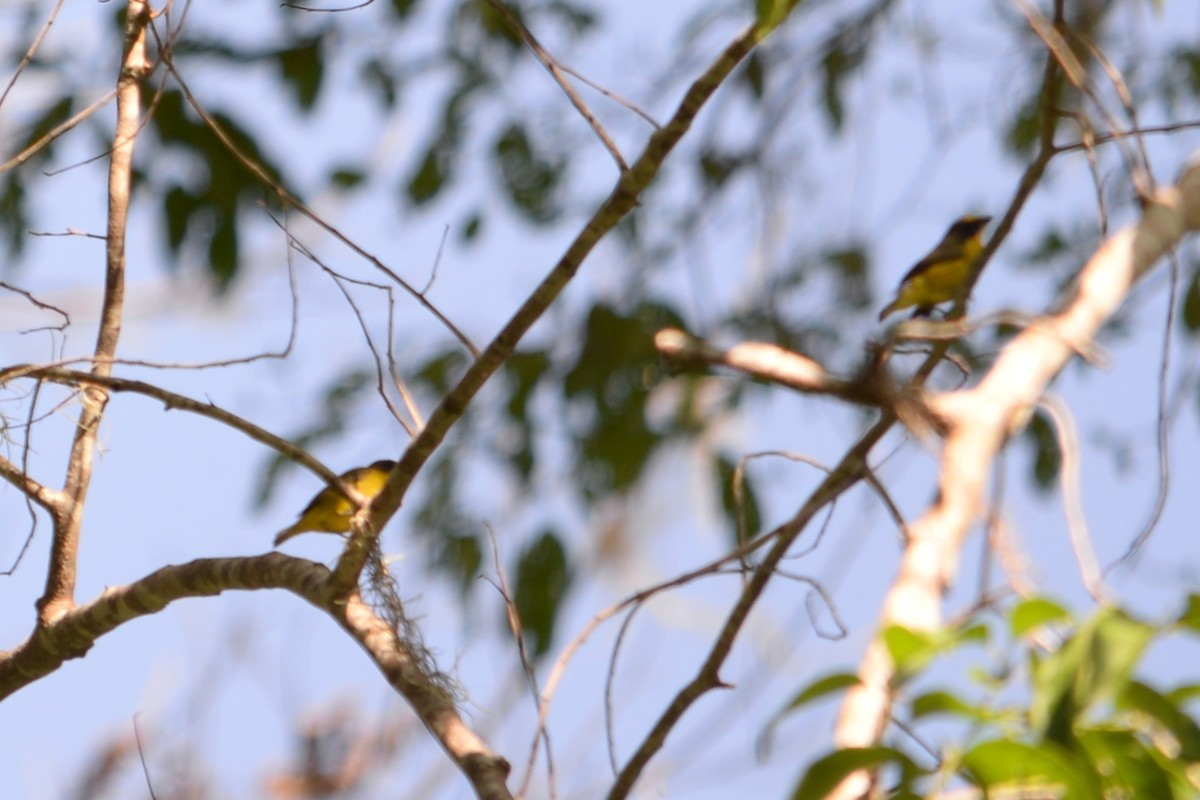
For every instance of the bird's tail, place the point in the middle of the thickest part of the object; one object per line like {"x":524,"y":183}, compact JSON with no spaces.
{"x":288,"y":532}
{"x":889,"y":308}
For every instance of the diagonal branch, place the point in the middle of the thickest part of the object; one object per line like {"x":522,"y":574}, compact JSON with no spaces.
{"x":623,"y":200}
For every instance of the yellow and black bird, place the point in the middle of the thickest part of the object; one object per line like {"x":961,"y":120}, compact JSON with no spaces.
{"x":331,"y":511}
{"x":938,"y":277}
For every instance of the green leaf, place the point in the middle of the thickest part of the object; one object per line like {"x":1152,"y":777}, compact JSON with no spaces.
{"x":1126,"y":767}
{"x":1047,"y":457}
{"x":1137,"y":696}
{"x":178,"y":207}
{"x":1190,"y":618}
{"x":942,"y":702}
{"x":1041,"y":770}
{"x":541,"y":583}
{"x":303,"y":67}
{"x":531,"y":180}
{"x":821,"y":687}
{"x":609,"y":386}
{"x":57,"y":113}
{"x":525,"y":371}
{"x":1033,"y":613}
{"x":347,"y":177}
{"x":1190,"y":315}
{"x":826,"y":773}
{"x":850,"y":267}
{"x":1093,"y":665}
{"x":740,"y":503}
{"x":912,"y":650}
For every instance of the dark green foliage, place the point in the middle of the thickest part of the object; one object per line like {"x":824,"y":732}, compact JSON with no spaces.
{"x":739,"y":502}
{"x":1084,"y":727}
{"x":205,"y":213}
{"x":542,"y":581}
{"x":1047,"y":456}
{"x":525,"y":371}
{"x":612,"y":378}
{"x":530,"y":181}
{"x":1190,"y":313}
{"x":851,"y":267}
{"x":302,"y":67}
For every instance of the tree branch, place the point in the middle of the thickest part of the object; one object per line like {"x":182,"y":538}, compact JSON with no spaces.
{"x":59,"y":594}
{"x":72,"y":633}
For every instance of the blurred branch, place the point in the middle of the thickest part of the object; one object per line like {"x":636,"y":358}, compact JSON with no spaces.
{"x":58,"y":597}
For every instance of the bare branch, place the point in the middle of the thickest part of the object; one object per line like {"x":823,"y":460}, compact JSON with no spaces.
{"x":58,"y":597}
{"x":552,"y":66}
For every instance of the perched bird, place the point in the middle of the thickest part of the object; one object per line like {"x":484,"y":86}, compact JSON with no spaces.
{"x":937,"y":277}
{"x":330,"y":511}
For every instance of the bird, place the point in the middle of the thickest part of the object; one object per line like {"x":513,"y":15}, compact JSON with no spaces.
{"x":939,"y":276}
{"x":330,"y":511}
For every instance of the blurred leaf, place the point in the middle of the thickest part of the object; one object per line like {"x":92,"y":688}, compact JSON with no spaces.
{"x":204,"y":213}
{"x":745,"y":518}
{"x":942,"y":702}
{"x":541,"y":583}
{"x":12,"y":212}
{"x":1191,"y":305}
{"x":717,"y":168}
{"x":850,"y":267}
{"x":827,"y":772}
{"x":524,"y":369}
{"x":912,"y":650}
{"x":1047,"y":457}
{"x":430,"y":177}
{"x":1126,"y":767}
{"x":843,"y":58}
{"x":1033,"y":613}
{"x":610,"y":384}
{"x":1042,"y":770}
{"x":822,"y":687}
{"x":376,"y":76}
{"x":1183,"y":730}
{"x":531,"y":181}
{"x":497,"y":28}
{"x":402,"y":8}
{"x":460,"y":556}
{"x":440,"y":371}
{"x":1190,"y":618}
{"x":346,"y":177}
{"x":302,"y":67}
{"x":754,"y":75}
{"x":1093,"y":665}
{"x":56,"y":114}
{"x":577,"y":20}
{"x":438,"y":163}
{"x":472,"y":227}
{"x":178,"y":208}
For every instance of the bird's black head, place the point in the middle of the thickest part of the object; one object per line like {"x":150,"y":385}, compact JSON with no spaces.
{"x":383,"y":466}
{"x":968,"y":226}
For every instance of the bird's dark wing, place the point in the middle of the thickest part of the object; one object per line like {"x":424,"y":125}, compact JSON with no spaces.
{"x":949,"y":248}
